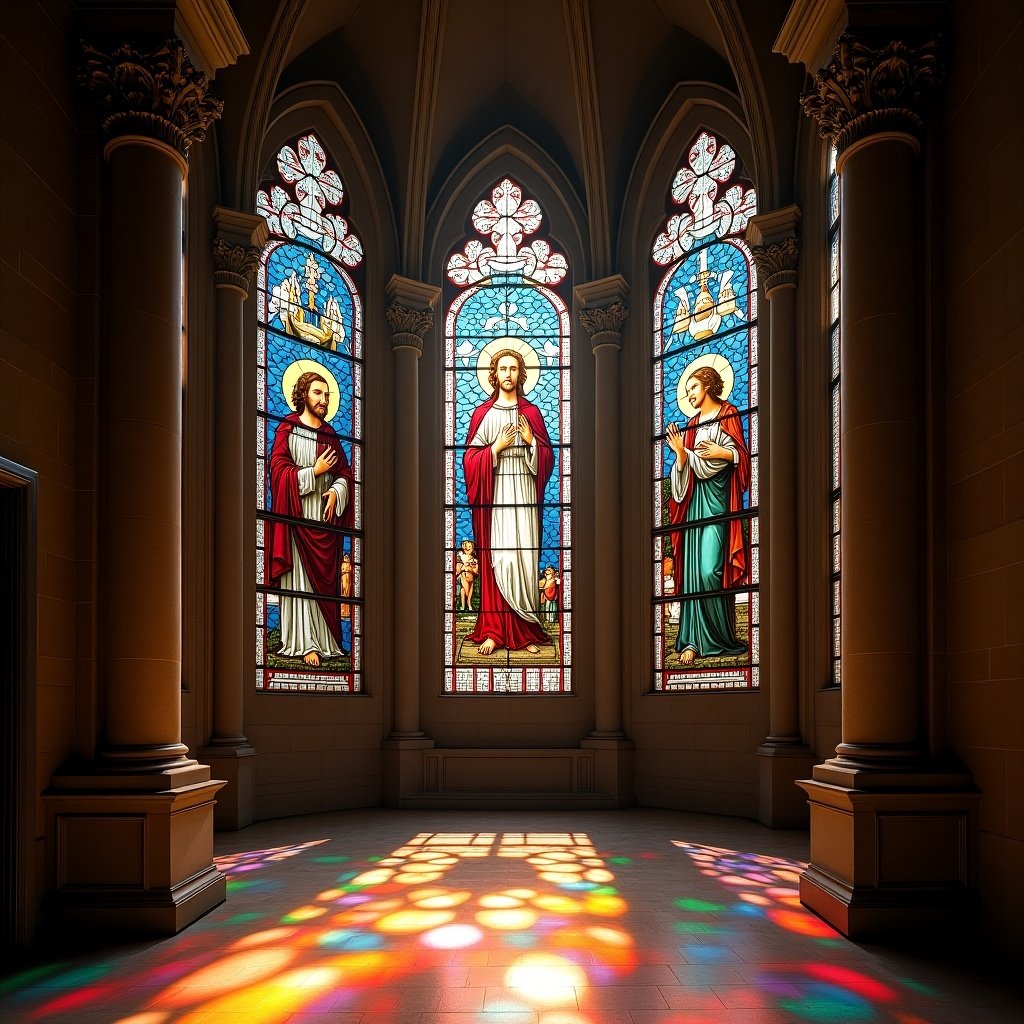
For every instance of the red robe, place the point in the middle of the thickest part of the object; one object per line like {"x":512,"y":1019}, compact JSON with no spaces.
{"x":496,"y":619}
{"x":735,"y":569}
{"x":319,"y":550}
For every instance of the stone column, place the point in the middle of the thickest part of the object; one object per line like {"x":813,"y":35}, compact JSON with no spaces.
{"x":784,"y":757}
{"x":890,"y":829}
{"x":236,"y":251}
{"x":130,"y":836}
{"x":410,"y":317}
{"x":602,"y":312}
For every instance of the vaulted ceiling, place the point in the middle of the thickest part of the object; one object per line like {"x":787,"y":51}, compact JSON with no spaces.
{"x":583,"y":79}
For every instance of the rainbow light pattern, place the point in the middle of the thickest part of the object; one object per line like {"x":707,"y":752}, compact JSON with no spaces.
{"x":555,"y":931}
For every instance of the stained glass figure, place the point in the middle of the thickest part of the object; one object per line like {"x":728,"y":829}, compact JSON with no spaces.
{"x":705,"y":435}
{"x":508,"y":468}
{"x":308,"y":432}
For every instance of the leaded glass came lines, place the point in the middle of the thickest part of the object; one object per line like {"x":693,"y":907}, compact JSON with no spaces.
{"x":309,"y":461}
{"x":705,"y":454}
{"x":508,"y":579}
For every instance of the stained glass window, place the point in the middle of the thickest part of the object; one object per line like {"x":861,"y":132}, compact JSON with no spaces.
{"x":309,"y":429}
{"x":508,"y":577}
{"x":834,"y":347}
{"x":705,"y":443}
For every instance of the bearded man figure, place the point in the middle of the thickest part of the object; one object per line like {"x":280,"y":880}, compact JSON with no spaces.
{"x":309,"y":479}
{"x":507,"y":465}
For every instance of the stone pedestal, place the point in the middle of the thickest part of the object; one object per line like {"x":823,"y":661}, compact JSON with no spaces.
{"x":891,"y":829}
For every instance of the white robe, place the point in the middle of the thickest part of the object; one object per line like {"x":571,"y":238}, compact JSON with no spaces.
{"x":703,"y":469}
{"x":303,"y":627}
{"x":515,"y":524}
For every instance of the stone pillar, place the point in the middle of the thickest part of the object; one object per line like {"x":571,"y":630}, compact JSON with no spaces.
{"x":130,"y":835}
{"x":236,"y":251}
{"x":410,"y":316}
{"x":602,"y":312}
{"x":891,"y":830}
{"x":783,"y":756}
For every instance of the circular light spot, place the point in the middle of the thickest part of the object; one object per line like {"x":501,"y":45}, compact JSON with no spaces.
{"x":452,"y":936}
{"x":545,"y":978}
{"x":610,"y":936}
{"x":303,"y":914}
{"x":414,"y":879}
{"x":263,"y":938}
{"x":598,"y":875}
{"x":606,"y":906}
{"x":755,"y":898}
{"x":507,"y":920}
{"x":374,"y":877}
{"x":406,"y":921}
{"x":442,"y":901}
{"x":557,"y":904}
{"x":558,"y":877}
{"x":499,"y":902}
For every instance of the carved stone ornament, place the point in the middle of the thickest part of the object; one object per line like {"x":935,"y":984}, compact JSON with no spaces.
{"x":604,"y":323}
{"x":158,"y":93}
{"x":234,"y":264}
{"x":776,"y":263}
{"x":408,"y":326}
{"x":862,"y":90}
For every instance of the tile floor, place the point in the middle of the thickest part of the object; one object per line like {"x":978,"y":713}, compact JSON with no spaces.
{"x":623,"y":917}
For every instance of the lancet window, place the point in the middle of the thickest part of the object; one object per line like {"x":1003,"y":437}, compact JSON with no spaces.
{"x":835,"y":341}
{"x":705,"y":429}
{"x":508,"y":577}
{"x":309,"y":429}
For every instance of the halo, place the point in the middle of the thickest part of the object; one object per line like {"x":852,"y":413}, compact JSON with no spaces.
{"x":520,"y":345}
{"x":297,"y":369}
{"x":717,"y":362}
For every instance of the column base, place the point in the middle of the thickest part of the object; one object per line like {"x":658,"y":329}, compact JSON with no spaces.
{"x":613,"y":767}
{"x":781,"y":803}
{"x":131,"y":853}
{"x":402,"y":763}
{"x":890,"y":851}
{"x":236,"y":803}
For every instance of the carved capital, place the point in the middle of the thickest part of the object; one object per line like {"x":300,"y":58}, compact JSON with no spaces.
{"x":604,"y":323}
{"x":409,"y":326}
{"x":863,"y":90}
{"x":157,"y":93}
{"x":234,"y":265}
{"x":776,"y":263}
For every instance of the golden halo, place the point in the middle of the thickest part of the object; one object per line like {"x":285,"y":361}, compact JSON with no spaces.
{"x":520,"y":345}
{"x":297,"y":369}
{"x":716,"y":362}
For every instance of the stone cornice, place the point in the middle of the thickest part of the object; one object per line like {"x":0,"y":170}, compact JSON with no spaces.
{"x":409,"y":326}
{"x":776,"y":263}
{"x":864,"y":90}
{"x":234,"y":265}
{"x":157,"y":93}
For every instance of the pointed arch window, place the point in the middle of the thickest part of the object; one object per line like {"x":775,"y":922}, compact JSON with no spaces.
{"x":835,"y":341}
{"x":705,"y":429}
{"x":508,"y":574}
{"x":309,"y":430}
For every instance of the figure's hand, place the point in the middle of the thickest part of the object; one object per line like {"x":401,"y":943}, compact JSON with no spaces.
{"x":330,"y":504}
{"x":525,"y":430}
{"x":712,"y":450}
{"x":325,"y":461}
{"x":674,"y":438}
{"x":505,"y":439}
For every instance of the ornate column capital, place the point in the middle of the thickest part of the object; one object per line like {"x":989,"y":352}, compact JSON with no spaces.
{"x":234,"y":265}
{"x":603,"y":309}
{"x":864,"y":90}
{"x":409,"y":321}
{"x":408,"y":326}
{"x":157,"y":93}
{"x":776,"y":263}
{"x":237,"y":247}
{"x":604,"y":323}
